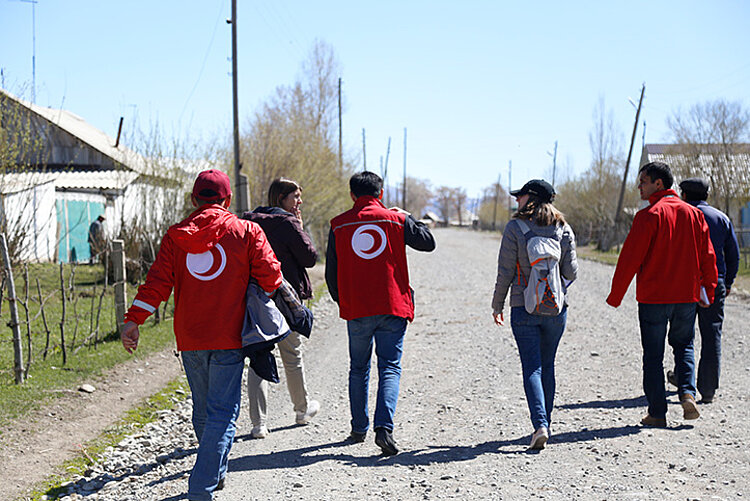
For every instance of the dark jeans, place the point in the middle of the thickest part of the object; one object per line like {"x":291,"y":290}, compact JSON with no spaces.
{"x":710,"y":321}
{"x":681,"y":320}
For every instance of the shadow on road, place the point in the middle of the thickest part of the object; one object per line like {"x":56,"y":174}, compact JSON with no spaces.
{"x":306,"y":456}
{"x":624,"y":403}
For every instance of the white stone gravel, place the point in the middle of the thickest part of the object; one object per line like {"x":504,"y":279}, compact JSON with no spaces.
{"x":462,"y":419}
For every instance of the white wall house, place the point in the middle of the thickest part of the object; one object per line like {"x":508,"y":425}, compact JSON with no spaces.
{"x":75,"y":173}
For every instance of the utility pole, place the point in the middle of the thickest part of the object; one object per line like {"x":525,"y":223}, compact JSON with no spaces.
{"x":510,"y":168}
{"x":341,"y":154}
{"x":33,"y":48}
{"x":497,"y":196}
{"x":364,"y":150}
{"x":387,"y":154}
{"x":240,"y":188}
{"x":627,"y":162}
{"x":554,"y":165}
{"x":403,"y":194}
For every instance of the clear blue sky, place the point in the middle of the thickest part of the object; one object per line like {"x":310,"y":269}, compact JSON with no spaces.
{"x":476,"y":83}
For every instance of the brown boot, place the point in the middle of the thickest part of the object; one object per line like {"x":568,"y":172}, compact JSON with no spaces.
{"x":649,"y":420}
{"x":689,"y":407}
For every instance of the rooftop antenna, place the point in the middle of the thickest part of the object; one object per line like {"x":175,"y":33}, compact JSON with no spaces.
{"x":33,"y":47}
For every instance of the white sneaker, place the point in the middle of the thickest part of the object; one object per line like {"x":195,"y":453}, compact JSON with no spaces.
{"x":539,"y":439}
{"x":313,"y":406}
{"x":259,"y":431}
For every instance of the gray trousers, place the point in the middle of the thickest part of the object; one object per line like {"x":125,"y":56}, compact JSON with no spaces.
{"x":290,"y":349}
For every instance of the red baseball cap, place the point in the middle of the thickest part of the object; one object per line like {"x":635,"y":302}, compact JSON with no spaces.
{"x":212,"y":184}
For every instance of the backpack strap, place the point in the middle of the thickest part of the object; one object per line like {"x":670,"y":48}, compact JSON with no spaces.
{"x":526,"y":232}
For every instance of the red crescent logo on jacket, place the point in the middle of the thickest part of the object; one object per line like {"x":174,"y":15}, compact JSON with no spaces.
{"x":207,"y":265}
{"x":368,"y":241}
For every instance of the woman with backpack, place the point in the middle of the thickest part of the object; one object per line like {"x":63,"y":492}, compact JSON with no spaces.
{"x":537,"y":234}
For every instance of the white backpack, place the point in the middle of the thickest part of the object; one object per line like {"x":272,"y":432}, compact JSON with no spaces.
{"x":544,"y":294}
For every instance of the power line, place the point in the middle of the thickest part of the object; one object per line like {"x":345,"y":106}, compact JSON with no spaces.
{"x":203,"y":65}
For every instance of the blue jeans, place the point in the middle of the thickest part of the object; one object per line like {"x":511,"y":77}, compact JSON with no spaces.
{"x":387,"y":332}
{"x":537,"y":338}
{"x":710,"y":321}
{"x":215,"y":378}
{"x":654,"y":319}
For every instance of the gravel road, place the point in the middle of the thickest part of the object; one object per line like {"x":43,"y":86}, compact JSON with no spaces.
{"x":462,"y":420}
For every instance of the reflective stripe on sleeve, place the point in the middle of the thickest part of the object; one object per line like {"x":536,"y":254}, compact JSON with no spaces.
{"x":145,"y":306}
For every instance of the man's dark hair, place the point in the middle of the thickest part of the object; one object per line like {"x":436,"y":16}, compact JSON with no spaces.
{"x":365,"y":183}
{"x":691,"y":196}
{"x":694,"y":189}
{"x":658,"y":170}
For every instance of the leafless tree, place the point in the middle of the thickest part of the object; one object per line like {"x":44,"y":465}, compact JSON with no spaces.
{"x":460,"y":200}
{"x":587,"y":200}
{"x":418,"y":195}
{"x":709,"y":138}
{"x":22,"y":166}
{"x":445,"y":201}
{"x":493,"y":205}
{"x":293,"y":135}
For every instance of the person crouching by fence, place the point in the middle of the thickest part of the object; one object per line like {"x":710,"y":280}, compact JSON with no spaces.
{"x":538,"y":299}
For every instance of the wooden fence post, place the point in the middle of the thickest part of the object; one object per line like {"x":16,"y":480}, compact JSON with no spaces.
{"x":118,"y":265}
{"x":17,"y":347}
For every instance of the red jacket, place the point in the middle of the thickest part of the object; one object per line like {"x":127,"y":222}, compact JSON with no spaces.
{"x":669,"y":249}
{"x":373,"y":276}
{"x":208,"y":259}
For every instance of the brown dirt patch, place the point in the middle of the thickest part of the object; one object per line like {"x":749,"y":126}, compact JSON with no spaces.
{"x":35,"y":447}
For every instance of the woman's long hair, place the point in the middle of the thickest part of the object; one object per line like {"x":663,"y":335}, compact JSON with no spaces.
{"x":279,"y":189}
{"x":542,"y":213}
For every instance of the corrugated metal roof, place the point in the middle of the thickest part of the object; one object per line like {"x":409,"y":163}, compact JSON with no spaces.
{"x":97,"y":180}
{"x":689,"y":149}
{"x":68,"y":180}
{"x":705,"y":160}
{"x":22,"y":181}
{"x":78,"y":127}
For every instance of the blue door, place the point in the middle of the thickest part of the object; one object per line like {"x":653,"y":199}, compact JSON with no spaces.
{"x":74,"y":218}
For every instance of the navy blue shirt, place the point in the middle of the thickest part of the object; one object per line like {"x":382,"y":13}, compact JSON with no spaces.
{"x":724,"y":241}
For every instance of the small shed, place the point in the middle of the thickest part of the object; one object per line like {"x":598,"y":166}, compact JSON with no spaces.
{"x":431,"y":219}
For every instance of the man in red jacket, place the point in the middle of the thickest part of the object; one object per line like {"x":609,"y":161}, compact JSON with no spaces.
{"x":669,"y":251}
{"x":208,"y":259}
{"x":367,"y":275}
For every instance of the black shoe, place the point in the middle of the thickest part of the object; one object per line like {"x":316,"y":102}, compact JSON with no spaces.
{"x":384,"y":440}
{"x":672,"y":378}
{"x":707,"y":399}
{"x":221,"y":483}
{"x":356,"y":437}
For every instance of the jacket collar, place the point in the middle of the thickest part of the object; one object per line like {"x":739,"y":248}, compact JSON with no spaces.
{"x":271,"y":210}
{"x":698,"y":203}
{"x":661,"y":194}
{"x":366,"y":200}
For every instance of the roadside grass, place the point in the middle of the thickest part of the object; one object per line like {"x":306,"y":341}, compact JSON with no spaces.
{"x":133,"y":420}
{"x":591,"y":253}
{"x":49,"y":378}
{"x":153,"y":338}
